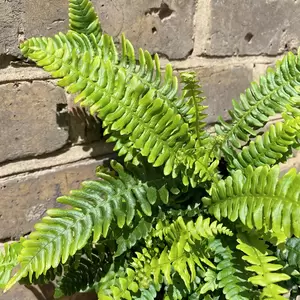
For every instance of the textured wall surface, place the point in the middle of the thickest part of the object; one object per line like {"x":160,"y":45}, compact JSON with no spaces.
{"x":48,"y":145}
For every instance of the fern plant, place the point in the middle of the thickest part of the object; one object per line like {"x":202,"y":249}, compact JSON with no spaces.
{"x":150,"y":226}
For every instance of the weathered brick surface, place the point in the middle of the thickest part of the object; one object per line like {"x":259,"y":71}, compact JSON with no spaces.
{"x":242,"y":27}
{"x":24,"y":199}
{"x":221,"y":84}
{"x":42,"y":292}
{"x":10,"y":27}
{"x":29,"y":121}
{"x":158,"y":26}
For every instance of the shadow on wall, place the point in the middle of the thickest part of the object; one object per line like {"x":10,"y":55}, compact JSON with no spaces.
{"x":46,"y":292}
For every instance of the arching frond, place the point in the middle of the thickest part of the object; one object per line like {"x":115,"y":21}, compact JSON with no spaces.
{"x":272,"y":147}
{"x":93,"y":208}
{"x":274,"y":91}
{"x":128,"y":240}
{"x":259,"y":257}
{"x":141,"y":113}
{"x":259,"y":199}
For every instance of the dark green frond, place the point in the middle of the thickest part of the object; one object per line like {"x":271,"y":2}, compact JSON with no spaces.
{"x":259,"y":257}
{"x":274,"y":91}
{"x":291,"y":252}
{"x":93,"y":208}
{"x":272,"y":147}
{"x":259,"y":199}
{"x":8,"y":261}
{"x":83,"y":275}
{"x":230,"y":276}
{"x":83,"y":19}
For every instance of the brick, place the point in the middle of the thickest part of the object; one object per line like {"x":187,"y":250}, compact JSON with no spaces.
{"x":260,"y":69}
{"x":10,"y":27}
{"x":249,"y":27}
{"x":158,"y":26}
{"x":63,"y":157}
{"x":30,"y":120}
{"x":83,"y":128}
{"x":25,"y":198}
{"x":44,"y":292}
{"x":44,"y":17}
{"x":221,"y":84}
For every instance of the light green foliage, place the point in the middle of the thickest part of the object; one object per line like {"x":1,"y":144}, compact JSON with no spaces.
{"x":262,"y":264}
{"x":8,"y":260}
{"x":149,"y":227}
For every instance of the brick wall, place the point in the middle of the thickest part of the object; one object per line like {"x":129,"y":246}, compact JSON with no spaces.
{"x":47,"y":145}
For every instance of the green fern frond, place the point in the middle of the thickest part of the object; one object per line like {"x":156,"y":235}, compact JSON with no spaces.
{"x":259,"y":199}
{"x":291,"y":252}
{"x":83,"y":275}
{"x":93,"y":208}
{"x":141,"y":113}
{"x":192,"y":108}
{"x":274,"y":91}
{"x":83,"y":19}
{"x":259,"y":257}
{"x":181,"y":257}
{"x":230,"y":277}
{"x":8,"y":261}
{"x":272,"y":147}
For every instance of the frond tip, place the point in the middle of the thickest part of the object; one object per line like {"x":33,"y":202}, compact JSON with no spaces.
{"x":83,"y":19}
{"x":191,"y":106}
